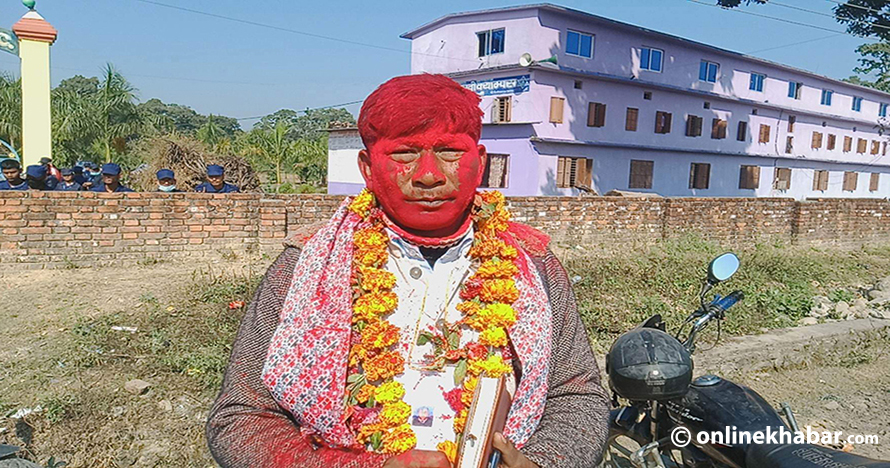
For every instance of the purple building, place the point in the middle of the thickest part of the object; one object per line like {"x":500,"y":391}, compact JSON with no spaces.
{"x":627,"y":108}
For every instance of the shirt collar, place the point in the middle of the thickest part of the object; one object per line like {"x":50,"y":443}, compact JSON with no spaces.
{"x":403,"y":248}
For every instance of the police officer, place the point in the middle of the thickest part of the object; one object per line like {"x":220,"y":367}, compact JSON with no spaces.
{"x":78,"y":175}
{"x":51,"y":170}
{"x":68,"y":183}
{"x":167,"y":181}
{"x":111,"y":180}
{"x":38,"y":178}
{"x":92,"y":174}
{"x":12,"y":170}
{"x":216,"y":182}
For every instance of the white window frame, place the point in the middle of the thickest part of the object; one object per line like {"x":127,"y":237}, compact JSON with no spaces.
{"x":580,"y":33}
{"x":487,"y":33}
{"x":707,"y":71}
{"x":762,"y":82}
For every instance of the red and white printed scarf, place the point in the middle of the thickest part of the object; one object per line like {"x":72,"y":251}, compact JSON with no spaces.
{"x":306,"y":363}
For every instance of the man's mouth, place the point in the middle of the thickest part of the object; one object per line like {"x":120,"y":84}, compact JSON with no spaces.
{"x":430,"y":202}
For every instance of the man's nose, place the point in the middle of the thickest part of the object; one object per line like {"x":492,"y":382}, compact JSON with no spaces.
{"x":428,"y":173}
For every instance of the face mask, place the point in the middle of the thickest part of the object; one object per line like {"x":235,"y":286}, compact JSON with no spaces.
{"x":166,"y":188}
{"x":95,"y":174}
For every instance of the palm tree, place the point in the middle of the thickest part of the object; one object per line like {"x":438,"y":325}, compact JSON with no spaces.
{"x":11,"y":110}
{"x":116,"y":110}
{"x":210,"y":133}
{"x":269,"y":148}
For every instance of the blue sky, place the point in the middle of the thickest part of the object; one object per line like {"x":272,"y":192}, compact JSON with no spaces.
{"x":241,"y":70}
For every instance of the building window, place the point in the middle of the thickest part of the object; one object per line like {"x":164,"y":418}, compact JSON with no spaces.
{"x":574,"y":172}
{"x":756,"y":83}
{"x":848,"y":144}
{"x":791,"y":120}
{"x":875,"y":147}
{"x":882,"y":110}
{"x":749,"y":177}
{"x":706,"y":105}
{"x":693,"y":125}
{"x":699,"y":175}
{"x":647,"y":95}
{"x":718,"y":129}
{"x":742,"y":131}
{"x":789,"y":144}
{"x":596,"y":114}
{"x":817,"y":140}
{"x":503,"y":110}
{"x":630,"y":121}
{"x":832,"y":140}
{"x":579,"y":84}
{"x":861,"y":145}
{"x":663,"y":122}
{"x":820,"y":180}
{"x":557,"y":104}
{"x":495,"y":175}
{"x":794,"y":89}
{"x":782,"y":178}
{"x":826,"y":97}
{"x":857,"y":103}
{"x":651,"y":59}
{"x":707,"y":71}
{"x":763,"y":137}
{"x":580,"y":44}
{"x":641,"y":174}
{"x":874,"y":182}
{"x":850,"y":180}
{"x":491,"y":42}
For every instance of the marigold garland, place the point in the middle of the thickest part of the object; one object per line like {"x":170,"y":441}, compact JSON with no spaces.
{"x":487,"y":308}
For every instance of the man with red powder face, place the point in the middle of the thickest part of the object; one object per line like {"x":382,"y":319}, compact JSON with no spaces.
{"x":415,"y":290}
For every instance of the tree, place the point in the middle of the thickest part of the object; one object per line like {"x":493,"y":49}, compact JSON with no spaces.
{"x":875,"y":62}
{"x":270,"y":148}
{"x":168,"y":118}
{"x":118,"y":118}
{"x":80,"y":85}
{"x":10,"y":112}
{"x":210,"y":133}
{"x":310,"y":123}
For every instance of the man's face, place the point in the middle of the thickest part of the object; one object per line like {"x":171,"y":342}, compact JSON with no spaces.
{"x":425,"y":182}
{"x":111,"y":180}
{"x":12,"y":174}
{"x":216,"y":181}
{"x":69,"y":178}
{"x":167,"y":182}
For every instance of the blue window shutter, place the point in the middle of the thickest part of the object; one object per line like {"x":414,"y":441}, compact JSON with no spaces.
{"x":644,"y":58}
{"x":703,"y":71}
{"x":656,"y":60}
{"x":791,"y":89}
{"x":572,"y":42}
{"x":712,"y":72}
{"x":483,"y":43}
{"x":586,"y":45}
{"x":497,"y":41}
{"x":753,"y":84}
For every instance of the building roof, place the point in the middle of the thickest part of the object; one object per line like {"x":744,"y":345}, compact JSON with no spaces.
{"x":590,"y":16}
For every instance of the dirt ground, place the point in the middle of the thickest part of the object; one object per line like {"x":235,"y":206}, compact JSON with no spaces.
{"x":54,"y":356}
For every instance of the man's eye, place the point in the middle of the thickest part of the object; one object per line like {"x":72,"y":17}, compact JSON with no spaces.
{"x":449,"y":154}
{"x":404,"y":156}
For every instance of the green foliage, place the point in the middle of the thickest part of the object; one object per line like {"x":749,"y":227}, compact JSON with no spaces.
{"x":57,"y":408}
{"x":10,"y":112}
{"x":839,"y":295}
{"x":874,"y":66}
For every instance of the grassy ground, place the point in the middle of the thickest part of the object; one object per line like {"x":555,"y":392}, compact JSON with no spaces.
{"x":62,"y":353}
{"x":618,"y":291}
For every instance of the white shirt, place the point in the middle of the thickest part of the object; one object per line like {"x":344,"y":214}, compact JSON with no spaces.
{"x":427,"y":294}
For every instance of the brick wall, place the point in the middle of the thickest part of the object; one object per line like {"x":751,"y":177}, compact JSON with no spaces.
{"x":55,"y":229}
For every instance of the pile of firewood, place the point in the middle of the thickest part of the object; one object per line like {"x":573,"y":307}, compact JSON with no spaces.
{"x":189,"y":159}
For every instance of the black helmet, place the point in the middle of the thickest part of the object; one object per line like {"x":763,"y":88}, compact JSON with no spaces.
{"x":648,"y":364}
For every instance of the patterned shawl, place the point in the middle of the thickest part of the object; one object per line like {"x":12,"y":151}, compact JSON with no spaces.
{"x":306,"y":364}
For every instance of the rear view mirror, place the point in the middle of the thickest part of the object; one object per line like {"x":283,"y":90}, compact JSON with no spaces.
{"x":723,"y":267}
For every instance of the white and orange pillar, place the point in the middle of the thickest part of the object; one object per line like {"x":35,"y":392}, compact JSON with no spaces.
{"x":35,"y":35}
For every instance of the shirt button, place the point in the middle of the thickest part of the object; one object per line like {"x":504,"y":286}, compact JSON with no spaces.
{"x":416,"y":272}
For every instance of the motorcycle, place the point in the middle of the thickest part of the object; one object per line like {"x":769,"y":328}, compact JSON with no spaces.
{"x":667,"y":410}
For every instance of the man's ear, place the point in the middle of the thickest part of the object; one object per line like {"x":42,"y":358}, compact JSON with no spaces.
{"x":364,"y":166}
{"x":483,"y":160}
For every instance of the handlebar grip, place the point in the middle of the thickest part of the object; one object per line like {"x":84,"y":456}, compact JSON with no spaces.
{"x":730,"y":300}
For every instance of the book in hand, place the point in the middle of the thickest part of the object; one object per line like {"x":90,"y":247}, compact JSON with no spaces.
{"x":487,"y":415}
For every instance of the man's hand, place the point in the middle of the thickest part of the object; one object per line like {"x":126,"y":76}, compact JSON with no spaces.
{"x":510,"y":457}
{"x":418,"y":459}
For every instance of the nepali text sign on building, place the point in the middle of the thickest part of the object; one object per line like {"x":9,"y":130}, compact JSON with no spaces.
{"x":508,"y":85}
{"x":8,"y":42}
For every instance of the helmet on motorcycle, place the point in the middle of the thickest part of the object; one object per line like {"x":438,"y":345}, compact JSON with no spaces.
{"x":648,"y":364}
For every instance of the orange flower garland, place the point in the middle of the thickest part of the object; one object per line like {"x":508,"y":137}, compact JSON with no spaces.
{"x":487,"y":308}
{"x":372,"y":360}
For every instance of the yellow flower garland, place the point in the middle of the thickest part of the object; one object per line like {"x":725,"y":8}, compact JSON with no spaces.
{"x":487,"y":309}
